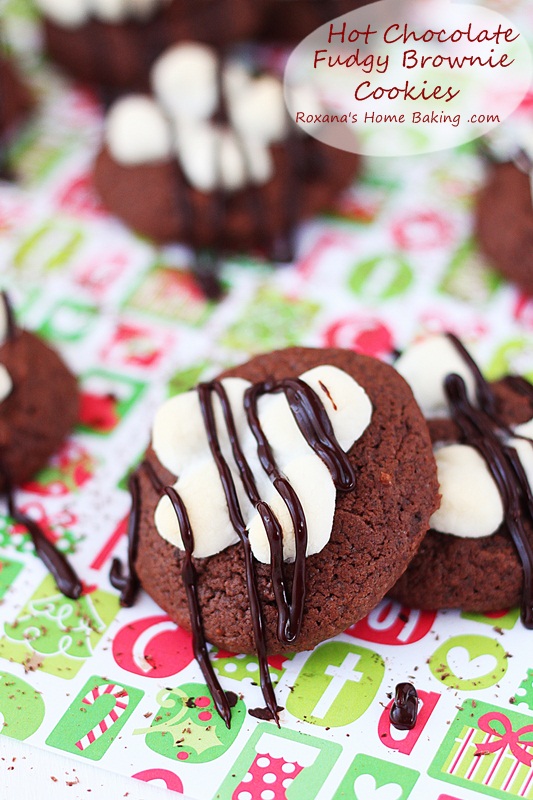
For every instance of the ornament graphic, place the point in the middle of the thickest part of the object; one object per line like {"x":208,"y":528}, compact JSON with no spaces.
{"x":187,"y":726}
{"x":21,"y":707}
{"x":154,"y":647}
{"x":55,"y":634}
{"x":488,"y":750}
{"x":277,"y":764}
{"x":121,"y":703}
{"x":394,"y":624}
{"x":370,"y":778}
{"x":95,"y":718}
{"x":336,"y":685}
{"x":469,"y":663}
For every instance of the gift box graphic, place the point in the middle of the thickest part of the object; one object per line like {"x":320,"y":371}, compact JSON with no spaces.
{"x":489,"y":750}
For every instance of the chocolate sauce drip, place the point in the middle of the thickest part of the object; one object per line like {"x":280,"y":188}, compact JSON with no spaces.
{"x":484,"y":394}
{"x":127,"y":582}
{"x":404,"y":710}
{"x":64,"y":575}
{"x":12,"y":329}
{"x":190,"y":581}
{"x":481,"y":428}
{"x":263,"y":713}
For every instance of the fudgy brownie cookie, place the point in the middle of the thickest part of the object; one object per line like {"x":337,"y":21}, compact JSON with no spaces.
{"x":478,"y":555}
{"x":38,"y":400}
{"x":212,"y":159}
{"x":504,"y":217}
{"x":293,"y":20}
{"x":38,"y":408}
{"x":113,"y":43}
{"x":15,"y":99}
{"x":341,"y":456}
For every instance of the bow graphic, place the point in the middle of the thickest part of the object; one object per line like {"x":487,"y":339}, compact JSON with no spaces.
{"x":508,"y":738}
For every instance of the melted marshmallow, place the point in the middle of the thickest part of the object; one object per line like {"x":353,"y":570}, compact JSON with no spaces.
{"x":6,"y":384}
{"x":471,"y":505}
{"x":137,"y":128}
{"x":75,"y":13}
{"x":180,"y":442}
{"x":186,"y":89}
{"x":425,"y":366}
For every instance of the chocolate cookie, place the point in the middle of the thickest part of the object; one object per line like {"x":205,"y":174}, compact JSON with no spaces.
{"x":504,"y":219}
{"x":293,"y":20}
{"x":478,"y":555}
{"x":213,"y":160}
{"x":114,"y":44}
{"x":359,"y":517}
{"x":15,"y":99}
{"x":38,"y":408}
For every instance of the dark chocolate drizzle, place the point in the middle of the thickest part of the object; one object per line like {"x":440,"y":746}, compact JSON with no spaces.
{"x":314,"y":423}
{"x":127,"y":583}
{"x":482,"y":428}
{"x":12,"y":329}
{"x":404,"y":710}
{"x":56,"y":563}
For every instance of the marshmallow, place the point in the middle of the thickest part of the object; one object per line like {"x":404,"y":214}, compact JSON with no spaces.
{"x":137,"y":131}
{"x":258,"y":109}
{"x":184,"y":80}
{"x":74,"y":13}
{"x":425,"y":366}
{"x":6,"y":384}
{"x":471,"y":505}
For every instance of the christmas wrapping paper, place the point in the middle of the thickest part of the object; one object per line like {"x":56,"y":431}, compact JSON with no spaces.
{"x":119,"y":686}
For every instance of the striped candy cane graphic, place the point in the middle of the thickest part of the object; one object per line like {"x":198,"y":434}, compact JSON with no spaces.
{"x":121,"y":703}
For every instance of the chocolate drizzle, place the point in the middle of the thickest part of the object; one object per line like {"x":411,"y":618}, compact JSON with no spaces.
{"x":404,"y":710}
{"x":56,"y":563}
{"x":11,"y":328}
{"x":483,"y":429}
{"x":316,"y":427}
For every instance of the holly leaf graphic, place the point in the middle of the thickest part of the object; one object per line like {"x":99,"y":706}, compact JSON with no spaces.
{"x":199,"y":737}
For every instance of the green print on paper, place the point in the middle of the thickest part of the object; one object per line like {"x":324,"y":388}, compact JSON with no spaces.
{"x":241,"y":666}
{"x":371,"y":778}
{"x":187,"y":726}
{"x":170,"y":294}
{"x":524,"y":693}
{"x":21,"y":540}
{"x":468,"y":276}
{"x":295,"y":765}
{"x":95,"y":718}
{"x":381,"y":277}
{"x":469,"y":663}
{"x":55,"y":634}
{"x":9,"y":570}
{"x":271,"y":321}
{"x":51,"y":247}
{"x":336,"y":685}
{"x":68,"y":321}
{"x":507,"y":620}
{"x":514,"y":356}
{"x":107,"y":398}
{"x":21,"y":707}
{"x":186,"y":379}
{"x":488,"y":750}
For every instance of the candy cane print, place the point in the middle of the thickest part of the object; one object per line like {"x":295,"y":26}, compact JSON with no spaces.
{"x":121,"y":703}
